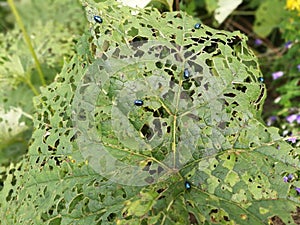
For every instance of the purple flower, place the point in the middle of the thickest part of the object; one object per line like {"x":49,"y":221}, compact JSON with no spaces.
{"x":292,"y":139}
{"x":288,"y":44}
{"x":271,"y":120}
{"x":258,"y":42}
{"x":298,"y":119}
{"x":291,"y":118}
{"x":298,"y":67}
{"x":288,"y":178}
{"x":298,"y":190}
{"x":277,"y":75}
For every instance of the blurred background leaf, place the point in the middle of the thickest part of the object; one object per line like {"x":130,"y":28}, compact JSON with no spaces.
{"x":53,"y":27}
{"x":225,"y":8}
{"x":268,"y":16}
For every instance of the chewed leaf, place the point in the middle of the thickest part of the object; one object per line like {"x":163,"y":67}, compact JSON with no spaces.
{"x":186,"y":91}
{"x":154,"y":121}
{"x":176,"y":116}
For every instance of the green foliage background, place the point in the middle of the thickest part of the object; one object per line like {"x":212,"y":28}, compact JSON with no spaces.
{"x":236,"y":170}
{"x":53,"y":38}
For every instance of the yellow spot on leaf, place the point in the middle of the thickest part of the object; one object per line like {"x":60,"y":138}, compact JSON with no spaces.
{"x":243,"y":216}
{"x":263,"y":210}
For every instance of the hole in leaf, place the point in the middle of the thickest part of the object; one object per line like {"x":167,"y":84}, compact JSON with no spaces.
{"x":155,"y":32}
{"x":8,"y":197}
{"x":211,"y":48}
{"x":149,"y":180}
{"x":231,"y":95}
{"x":111,"y":217}
{"x":226,"y":218}
{"x":170,"y":72}
{"x":147,"y":167}
{"x":214,"y":211}
{"x":234,"y":41}
{"x":160,"y":190}
{"x":194,"y":117}
{"x":139,"y":53}
{"x":168,"y":129}
{"x":261,"y":95}
{"x":234,"y":104}
{"x":157,"y":127}
{"x":178,"y":15}
{"x":208,"y":62}
{"x":159,"y":169}
{"x":184,"y":95}
{"x":241,"y":88}
{"x":247,"y":80}
{"x":199,"y":40}
{"x":208,"y":33}
{"x":192,"y":219}
{"x":139,"y":39}
{"x":151,"y":172}
{"x":276,"y":220}
{"x":206,"y":86}
{"x":159,"y":65}
{"x":161,"y":112}
{"x":147,"y":131}
{"x":161,"y":197}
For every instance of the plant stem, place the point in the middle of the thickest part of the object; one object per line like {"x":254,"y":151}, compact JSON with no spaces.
{"x":32,"y":87}
{"x":243,"y":13}
{"x":177,"y":8}
{"x":27,"y":40}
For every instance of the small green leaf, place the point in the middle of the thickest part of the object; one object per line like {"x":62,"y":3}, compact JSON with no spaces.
{"x":267,"y":17}
{"x":211,"y":5}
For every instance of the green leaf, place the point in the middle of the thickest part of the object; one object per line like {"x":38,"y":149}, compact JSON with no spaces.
{"x":168,"y":3}
{"x":267,"y":17}
{"x":53,"y":39}
{"x":211,"y":5}
{"x":97,"y":158}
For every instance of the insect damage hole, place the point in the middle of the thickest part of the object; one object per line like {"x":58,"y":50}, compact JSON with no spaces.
{"x":147,"y":132}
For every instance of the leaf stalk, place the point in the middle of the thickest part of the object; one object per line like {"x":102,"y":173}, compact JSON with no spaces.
{"x":27,"y":40}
